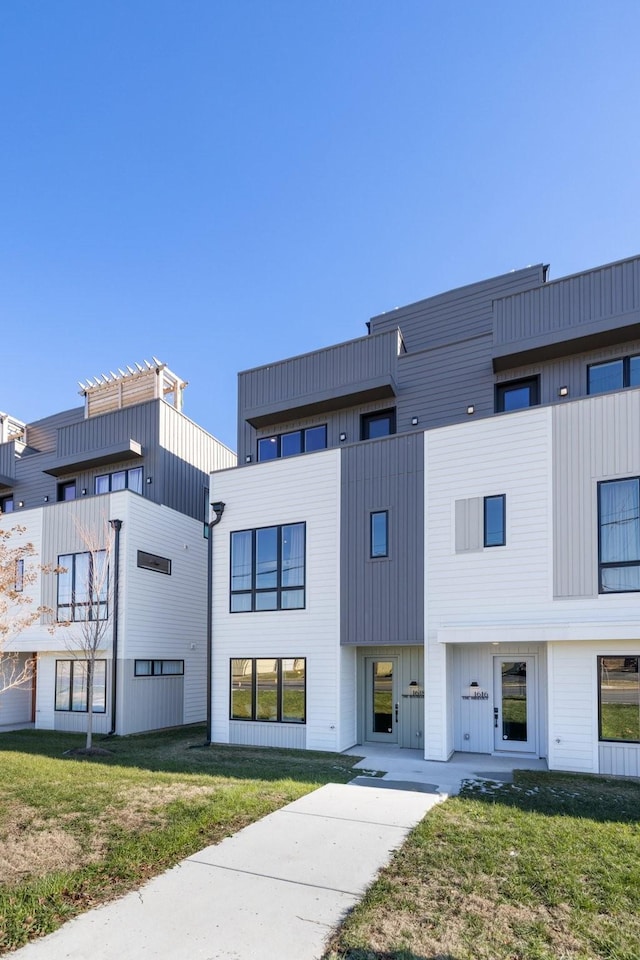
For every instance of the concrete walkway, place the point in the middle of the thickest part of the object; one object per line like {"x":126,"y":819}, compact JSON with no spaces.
{"x":277,"y":889}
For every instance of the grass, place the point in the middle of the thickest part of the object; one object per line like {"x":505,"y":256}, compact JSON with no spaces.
{"x":76,"y":832}
{"x":546,"y":868}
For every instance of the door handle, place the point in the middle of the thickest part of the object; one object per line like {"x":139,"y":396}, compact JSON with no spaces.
{"x":495,"y":717}
{"x":396,"y":712}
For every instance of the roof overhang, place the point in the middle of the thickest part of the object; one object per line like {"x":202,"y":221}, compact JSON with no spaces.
{"x":522,"y":353}
{"x":6,"y":482}
{"x":117,"y":452}
{"x":323,"y":401}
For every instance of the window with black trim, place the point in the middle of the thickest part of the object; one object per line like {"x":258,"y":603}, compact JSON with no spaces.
{"x":619,"y":699}
{"x":613,"y":374}
{"x":149,"y":561}
{"x":72,"y":691}
{"x":269,"y":689}
{"x":379,"y":534}
{"x":83,"y":586}
{"x":290,"y":444}
{"x":517,"y":394}
{"x":381,"y":423}
{"x":619,"y":535}
{"x":495,"y":532}
{"x":268,"y":568}
{"x":67,"y":490}
{"x":19,"y":577}
{"x":120,"y":480}
{"x":6,"y":505}
{"x":158,"y":668}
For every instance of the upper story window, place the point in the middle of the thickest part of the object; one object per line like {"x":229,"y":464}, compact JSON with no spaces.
{"x":83,"y":586}
{"x":517,"y":394}
{"x":67,"y":490}
{"x":381,"y":423}
{"x":619,"y":540}
{"x":149,"y":561}
{"x":495,"y":534}
{"x":120,"y":480}
{"x":613,"y":375}
{"x":268,"y":568}
{"x":19,"y":577}
{"x":290,"y":444}
{"x":6,"y":505}
{"x":619,"y":701}
{"x":379,"y":534}
{"x":158,"y":668}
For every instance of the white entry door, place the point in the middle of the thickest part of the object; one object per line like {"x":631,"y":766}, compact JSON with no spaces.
{"x":514,"y":704}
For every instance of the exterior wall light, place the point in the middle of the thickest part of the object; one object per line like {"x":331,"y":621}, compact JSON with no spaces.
{"x":149,"y":479}
{"x":414,"y":421}
{"x":21,"y":503}
{"x":247,"y":459}
{"x":343,"y":437}
{"x":563,"y":392}
{"x":471,"y":409}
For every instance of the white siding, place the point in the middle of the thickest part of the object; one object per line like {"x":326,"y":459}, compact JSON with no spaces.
{"x":573,"y":710}
{"x":298,"y":489}
{"x":15,"y":702}
{"x":348,"y":725}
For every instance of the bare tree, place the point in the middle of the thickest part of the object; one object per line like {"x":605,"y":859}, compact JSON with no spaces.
{"x":18,"y":572}
{"x":86,"y":591}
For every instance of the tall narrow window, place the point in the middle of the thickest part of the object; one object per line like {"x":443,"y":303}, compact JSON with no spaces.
{"x":379,"y":534}
{"x":619,"y":541}
{"x":19,"y":581}
{"x":268,"y":568}
{"x":495,"y":534}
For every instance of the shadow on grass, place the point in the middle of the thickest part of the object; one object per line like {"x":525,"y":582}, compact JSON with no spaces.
{"x":601,"y":799}
{"x":394,"y":955}
{"x":181,"y":750}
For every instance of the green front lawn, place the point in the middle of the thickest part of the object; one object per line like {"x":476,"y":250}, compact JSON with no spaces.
{"x":545,"y":869}
{"x":75,"y":832}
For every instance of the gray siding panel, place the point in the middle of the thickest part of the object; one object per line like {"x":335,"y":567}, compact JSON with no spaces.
{"x":594,"y":439}
{"x":383,"y":600}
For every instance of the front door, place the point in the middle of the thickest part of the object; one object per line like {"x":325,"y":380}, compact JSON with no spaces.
{"x":381,"y":692}
{"x":514,"y":700}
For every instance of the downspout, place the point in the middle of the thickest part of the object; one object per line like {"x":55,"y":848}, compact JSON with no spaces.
{"x":218,"y":509}
{"x":116,"y":526}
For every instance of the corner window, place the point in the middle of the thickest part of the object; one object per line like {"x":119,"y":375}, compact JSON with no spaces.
{"x":382,"y":423}
{"x":379,"y":534}
{"x":149,"y":561}
{"x":6,"y":505}
{"x":83,"y":586}
{"x":67,"y":491}
{"x":619,"y":699}
{"x":158,"y":668}
{"x":495,"y":534}
{"x":120,"y":480}
{"x":268,"y":568}
{"x":269,"y":690}
{"x":72,"y":692}
{"x":619,"y":535}
{"x":517,"y":394}
{"x":293,"y":443}
{"x":613,"y":374}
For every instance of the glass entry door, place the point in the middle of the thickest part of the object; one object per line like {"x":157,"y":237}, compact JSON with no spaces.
{"x":381,"y":693}
{"x":514,"y":714}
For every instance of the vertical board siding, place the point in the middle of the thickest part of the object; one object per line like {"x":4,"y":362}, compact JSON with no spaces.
{"x":567,"y":304}
{"x":15,"y":702}
{"x":150,"y":703}
{"x":138,"y":423}
{"x":619,"y":759}
{"x":383,"y":599}
{"x":348,"y":698}
{"x":297,"y":489}
{"x":285,"y":735}
{"x":593,"y":439}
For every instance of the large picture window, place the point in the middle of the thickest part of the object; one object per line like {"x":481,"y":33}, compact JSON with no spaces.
{"x":613,"y":374}
{"x":72,"y":692}
{"x":268,"y":568}
{"x":83,"y":586}
{"x":619,"y":540}
{"x":269,"y":689}
{"x":619,"y":706}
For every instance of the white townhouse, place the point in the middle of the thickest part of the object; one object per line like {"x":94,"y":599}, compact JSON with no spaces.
{"x":432,"y":538}
{"x":112,"y":498}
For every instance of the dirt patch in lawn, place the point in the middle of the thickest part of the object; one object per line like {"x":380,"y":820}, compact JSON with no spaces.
{"x":31,"y":847}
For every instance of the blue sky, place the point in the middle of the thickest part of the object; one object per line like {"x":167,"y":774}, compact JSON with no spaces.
{"x":230,"y":182}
